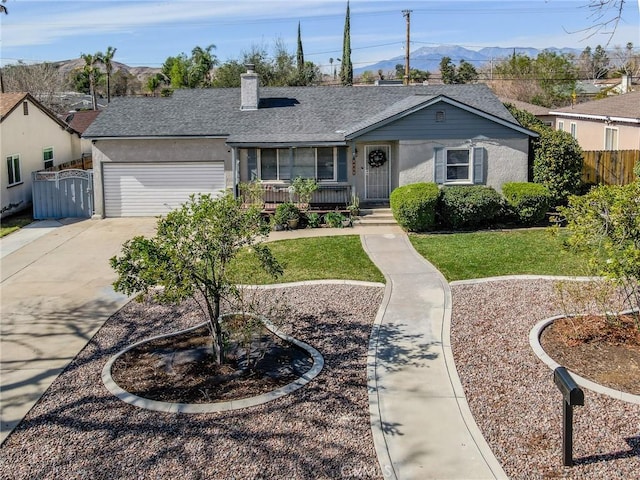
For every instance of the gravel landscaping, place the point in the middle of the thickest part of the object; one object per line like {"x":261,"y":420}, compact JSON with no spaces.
{"x":512,"y":395}
{"x":78,"y":430}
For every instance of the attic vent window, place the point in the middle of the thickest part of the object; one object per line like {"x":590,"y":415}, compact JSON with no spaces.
{"x":440,"y":116}
{"x":25,"y":108}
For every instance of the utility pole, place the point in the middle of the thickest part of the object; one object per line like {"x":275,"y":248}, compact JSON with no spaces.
{"x":407,"y":69}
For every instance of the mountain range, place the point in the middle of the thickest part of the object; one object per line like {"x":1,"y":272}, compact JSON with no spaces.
{"x":428,"y":58}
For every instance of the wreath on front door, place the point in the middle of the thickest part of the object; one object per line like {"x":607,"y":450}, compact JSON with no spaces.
{"x":377,"y":158}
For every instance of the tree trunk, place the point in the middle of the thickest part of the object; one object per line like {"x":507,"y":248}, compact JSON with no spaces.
{"x":216,"y":331}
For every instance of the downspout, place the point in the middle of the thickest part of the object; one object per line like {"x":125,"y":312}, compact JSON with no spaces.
{"x":234,"y":171}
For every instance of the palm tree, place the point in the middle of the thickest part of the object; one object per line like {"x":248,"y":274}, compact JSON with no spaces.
{"x":105,"y":59}
{"x":92,"y":71}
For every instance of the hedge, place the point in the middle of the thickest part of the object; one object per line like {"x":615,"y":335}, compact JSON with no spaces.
{"x":528,"y":202}
{"x":469,"y":207}
{"x":414,"y":206}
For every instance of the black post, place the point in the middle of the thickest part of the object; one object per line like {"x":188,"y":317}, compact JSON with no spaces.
{"x":571,"y":395}
{"x":567,"y":435}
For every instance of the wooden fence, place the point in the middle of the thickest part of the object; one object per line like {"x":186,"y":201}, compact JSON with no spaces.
{"x":612,"y":167}
{"x":84,"y":163}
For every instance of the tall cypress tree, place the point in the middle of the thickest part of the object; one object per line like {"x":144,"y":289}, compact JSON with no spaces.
{"x":300,"y":54}
{"x":346,"y":70}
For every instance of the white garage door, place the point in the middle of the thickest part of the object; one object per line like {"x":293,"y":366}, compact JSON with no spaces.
{"x":146,"y":190}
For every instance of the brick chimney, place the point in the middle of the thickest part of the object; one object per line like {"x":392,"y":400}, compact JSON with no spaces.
{"x":249,"y":89}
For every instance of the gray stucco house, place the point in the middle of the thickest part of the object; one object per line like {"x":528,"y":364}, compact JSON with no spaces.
{"x":149,"y":154}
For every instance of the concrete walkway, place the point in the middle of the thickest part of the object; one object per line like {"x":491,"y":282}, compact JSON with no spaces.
{"x":421,"y":422}
{"x":56,"y":293}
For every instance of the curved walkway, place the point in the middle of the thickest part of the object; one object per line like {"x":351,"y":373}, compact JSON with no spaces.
{"x":52,"y":304}
{"x":421,"y":422}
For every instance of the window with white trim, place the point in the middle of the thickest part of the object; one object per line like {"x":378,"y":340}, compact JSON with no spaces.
{"x":458,"y":166}
{"x":610,"y":138}
{"x":560,"y":125}
{"x":306,"y":162}
{"x":574,"y":129}
{"x":47,"y":157}
{"x":13,"y":170}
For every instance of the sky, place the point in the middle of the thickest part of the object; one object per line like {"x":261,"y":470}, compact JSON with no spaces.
{"x":146,"y":32}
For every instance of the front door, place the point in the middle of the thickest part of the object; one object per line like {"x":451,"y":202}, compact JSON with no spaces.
{"x":377,"y":176}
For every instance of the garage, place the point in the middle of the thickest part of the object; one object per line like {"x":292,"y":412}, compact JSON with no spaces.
{"x":152,"y":189}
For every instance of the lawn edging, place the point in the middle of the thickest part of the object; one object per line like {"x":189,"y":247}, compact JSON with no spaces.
{"x":171,"y":407}
{"x":534,"y":341}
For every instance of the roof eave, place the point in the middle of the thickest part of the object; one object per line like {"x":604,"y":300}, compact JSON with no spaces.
{"x":589,"y":116}
{"x":442,"y":98}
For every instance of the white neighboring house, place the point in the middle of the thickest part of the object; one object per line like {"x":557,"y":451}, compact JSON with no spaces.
{"x":32,"y":138}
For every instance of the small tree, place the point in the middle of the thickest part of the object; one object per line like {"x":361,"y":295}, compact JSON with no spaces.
{"x":190,"y":255}
{"x":606,"y":224}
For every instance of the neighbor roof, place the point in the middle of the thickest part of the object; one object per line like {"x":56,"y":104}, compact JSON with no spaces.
{"x":624,"y":107}
{"x":10,"y":101}
{"x":81,"y":120}
{"x":536,"y":110}
{"x":285,"y":114}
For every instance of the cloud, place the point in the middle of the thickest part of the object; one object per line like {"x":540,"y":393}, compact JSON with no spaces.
{"x":45,"y":25}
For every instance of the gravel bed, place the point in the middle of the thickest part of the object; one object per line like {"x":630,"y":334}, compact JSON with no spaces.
{"x":79,"y":430}
{"x":512,"y":395}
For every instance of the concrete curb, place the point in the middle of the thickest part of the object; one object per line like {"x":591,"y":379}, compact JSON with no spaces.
{"x":305,"y":283}
{"x":534,"y":341}
{"x":475,"y":281}
{"x":169,"y":407}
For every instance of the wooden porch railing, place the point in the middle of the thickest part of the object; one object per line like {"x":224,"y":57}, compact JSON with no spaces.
{"x":326,"y":196}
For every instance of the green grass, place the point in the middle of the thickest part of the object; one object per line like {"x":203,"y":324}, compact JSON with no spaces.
{"x":339,"y":257}
{"x":462,"y":256}
{"x":15,"y":222}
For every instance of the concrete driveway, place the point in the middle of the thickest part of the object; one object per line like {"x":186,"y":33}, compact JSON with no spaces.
{"x":55,"y":294}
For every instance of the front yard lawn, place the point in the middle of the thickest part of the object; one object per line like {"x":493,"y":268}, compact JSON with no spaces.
{"x":462,"y":256}
{"x":339,"y":257}
{"x":15,"y":222}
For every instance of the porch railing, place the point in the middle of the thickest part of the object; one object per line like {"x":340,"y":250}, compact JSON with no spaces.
{"x":324,"y":197}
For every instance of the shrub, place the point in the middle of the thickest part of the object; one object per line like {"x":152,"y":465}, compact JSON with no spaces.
{"x":468,"y":207}
{"x":285,"y":212}
{"x":558,"y":164}
{"x":528,"y":201}
{"x":313,"y":219}
{"x":334,"y":219}
{"x":414,"y":206}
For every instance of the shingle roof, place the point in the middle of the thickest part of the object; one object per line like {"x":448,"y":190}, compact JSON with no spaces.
{"x":285,"y":113}
{"x":529,"y":107}
{"x":81,"y":120}
{"x":8,"y":102}
{"x":622,"y":106}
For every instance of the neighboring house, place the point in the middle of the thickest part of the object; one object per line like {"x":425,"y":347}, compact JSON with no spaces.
{"x":605,"y":86}
{"x":542,"y":113}
{"x":32,"y":138}
{"x":149,"y":154}
{"x":80,"y":121}
{"x":612,"y":123}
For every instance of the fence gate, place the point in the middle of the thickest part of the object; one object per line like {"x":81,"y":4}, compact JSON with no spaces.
{"x":63,"y":194}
